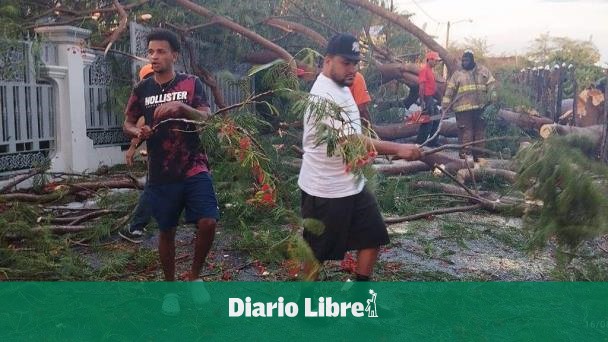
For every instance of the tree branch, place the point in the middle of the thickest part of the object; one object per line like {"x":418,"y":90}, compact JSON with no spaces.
{"x":432,"y":213}
{"x":407,"y":25}
{"x":122,"y":26}
{"x":289,"y":26}
{"x":250,"y":100}
{"x":20,"y":179}
{"x":205,"y":75}
{"x":231,"y":25}
{"x":459,"y":146}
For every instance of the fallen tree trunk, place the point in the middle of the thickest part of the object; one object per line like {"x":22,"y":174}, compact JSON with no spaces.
{"x":450,"y":129}
{"x":19,"y":179}
{"x":449,"y":163}
{"x":589,"y":109}
{"x":71,"y":189}
{"x":502,"y":167}
{"x":400,"y":167}
{"x":466,"y":175}
{"x":401,"y":130}
{"x":592,"y":132}
{"x":523,"y":121}
{"x":408,"y":73}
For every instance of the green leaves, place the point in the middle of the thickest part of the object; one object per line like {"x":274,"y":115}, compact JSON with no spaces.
{"x":572,"y":187}
{"x":257,"y":68}
{"x":313,"y":226}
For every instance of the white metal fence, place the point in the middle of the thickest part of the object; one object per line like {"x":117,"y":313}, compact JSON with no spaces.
{"x":27,"y":109}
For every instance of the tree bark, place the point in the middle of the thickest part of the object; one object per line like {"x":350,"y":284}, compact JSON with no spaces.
{"x":450,"y":164}
{"x":450,"y":129}
{"x":122,"y":26}
{"x":503,"y":168}
{"x":71,"y":189}
{"x":18,"y":179}
{"x":592,"y":132}
{"x":407,"y":25}
{"x":206,"y":76}
{"x":399,"y":167}
{"x":408,"y":73}
{"x":464,"y":175}
{"x":260,"y":57}
{"x":523,"y":121}
{"x":400,"y":130}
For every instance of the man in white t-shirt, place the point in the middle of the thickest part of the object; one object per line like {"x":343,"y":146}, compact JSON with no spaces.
{"x":340,"y":200}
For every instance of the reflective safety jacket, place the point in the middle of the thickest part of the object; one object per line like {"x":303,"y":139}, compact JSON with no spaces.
{"x":469,"y":89}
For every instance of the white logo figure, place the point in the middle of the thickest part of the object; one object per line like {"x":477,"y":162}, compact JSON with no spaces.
{"x":371,"y":305}
{"x":356,"y":47}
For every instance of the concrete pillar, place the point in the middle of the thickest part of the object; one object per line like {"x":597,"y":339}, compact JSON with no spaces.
{"x":72,"y":144}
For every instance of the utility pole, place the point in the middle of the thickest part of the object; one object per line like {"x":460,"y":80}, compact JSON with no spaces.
{"x":447,"y":41}
{"x":447,"y":36}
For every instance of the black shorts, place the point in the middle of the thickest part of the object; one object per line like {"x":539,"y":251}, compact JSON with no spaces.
{"x":350,"y":223}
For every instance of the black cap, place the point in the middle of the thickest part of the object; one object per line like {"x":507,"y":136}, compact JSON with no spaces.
{"x":345,"y":45}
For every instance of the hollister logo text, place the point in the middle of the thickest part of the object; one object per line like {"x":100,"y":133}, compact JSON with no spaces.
{"x":162,"y":98}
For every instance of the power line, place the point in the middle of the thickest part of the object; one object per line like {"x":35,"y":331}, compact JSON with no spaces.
{"x":425,"y":13}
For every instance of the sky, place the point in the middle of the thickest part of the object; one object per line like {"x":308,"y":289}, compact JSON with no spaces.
{"x":510,"y":26}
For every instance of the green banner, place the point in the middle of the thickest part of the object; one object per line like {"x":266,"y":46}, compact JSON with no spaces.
{"x":64,"y":311}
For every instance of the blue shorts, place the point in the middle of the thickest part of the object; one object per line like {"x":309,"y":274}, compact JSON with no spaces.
{"x":196,"y":194}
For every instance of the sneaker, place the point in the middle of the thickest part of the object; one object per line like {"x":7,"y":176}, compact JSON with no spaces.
{"x":200,"y":295}
{"x":132,"y":234}
{"x":170,"y":305}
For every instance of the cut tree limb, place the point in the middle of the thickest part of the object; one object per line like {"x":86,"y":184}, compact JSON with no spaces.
{"x":205,"y":75}
{"x":70,"y":221}
{"x":450,"y":129}
{"x":464,"y":175}
{"x":400,"y":167}
{"x":408,"y":73}
{"x":432,"y":213}
{"x":71,"y":189}
{"x":524,"y":121}
{"x":592,"y":132}
{"x":453,"y":189}
{"x":401,"y":130}
{"x":19,"y":179}
{"x":120,"y":29}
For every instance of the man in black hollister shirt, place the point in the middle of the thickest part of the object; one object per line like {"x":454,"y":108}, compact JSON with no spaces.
{"x":178,"y":172}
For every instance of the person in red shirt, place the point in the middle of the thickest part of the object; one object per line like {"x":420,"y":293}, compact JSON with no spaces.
{"x":427,"y":88}
{"x":362,"y":98}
